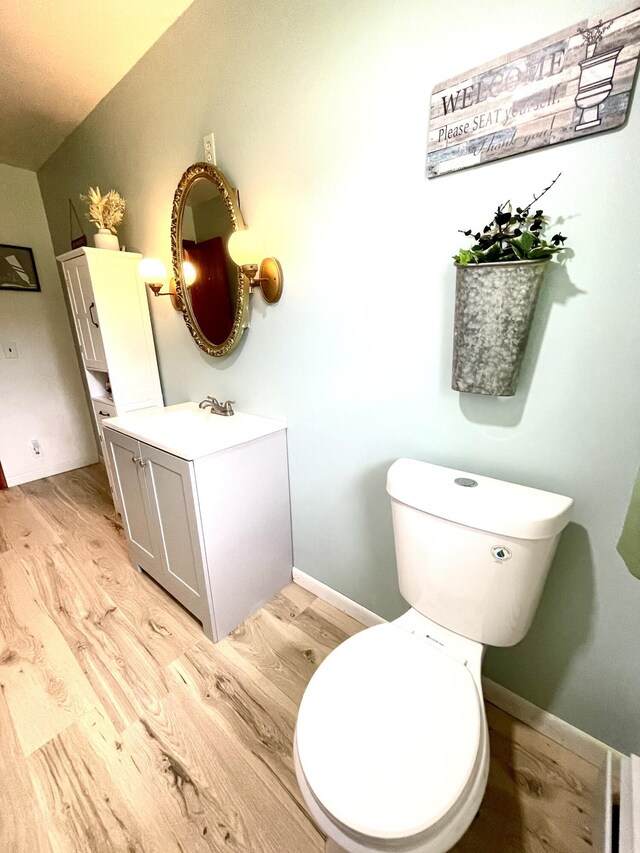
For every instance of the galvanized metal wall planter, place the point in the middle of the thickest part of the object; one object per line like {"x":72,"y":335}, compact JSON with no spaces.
{"x":495,"y":304}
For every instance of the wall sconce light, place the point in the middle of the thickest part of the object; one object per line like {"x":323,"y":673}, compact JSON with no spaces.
{"x":154,"y":274}
{"x":246,"y":250}
{"x":189,"y":273}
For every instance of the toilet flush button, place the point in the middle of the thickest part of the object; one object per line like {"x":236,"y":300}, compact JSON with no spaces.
{"x":465,"y":481}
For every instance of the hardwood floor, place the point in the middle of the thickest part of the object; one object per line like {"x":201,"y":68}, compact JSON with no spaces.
{"x":123,"y":728}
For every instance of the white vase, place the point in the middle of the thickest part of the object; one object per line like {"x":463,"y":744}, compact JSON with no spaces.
{"x":104,"y":239}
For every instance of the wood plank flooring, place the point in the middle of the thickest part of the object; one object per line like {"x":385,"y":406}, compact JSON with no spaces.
{"x":122,"y":728}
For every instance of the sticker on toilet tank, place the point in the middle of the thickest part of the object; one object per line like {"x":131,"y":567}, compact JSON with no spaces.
{"x":500,"y":553}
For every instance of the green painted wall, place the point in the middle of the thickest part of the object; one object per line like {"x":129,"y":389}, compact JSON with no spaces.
{"x":320,"y":114}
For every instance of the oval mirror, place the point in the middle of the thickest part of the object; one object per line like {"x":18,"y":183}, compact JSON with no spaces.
{"x":214,"y":291}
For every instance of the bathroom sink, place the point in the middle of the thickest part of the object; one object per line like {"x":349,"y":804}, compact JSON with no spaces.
{"x":190,"y":432}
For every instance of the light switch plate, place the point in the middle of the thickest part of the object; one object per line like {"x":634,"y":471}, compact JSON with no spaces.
{"x":10,"y":349}
{"x":209,"y":149}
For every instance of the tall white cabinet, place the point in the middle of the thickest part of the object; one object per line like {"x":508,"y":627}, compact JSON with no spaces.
{"x":113,"y":329}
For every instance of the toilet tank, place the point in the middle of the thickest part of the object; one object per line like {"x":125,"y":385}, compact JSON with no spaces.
{"x":473,"y":553}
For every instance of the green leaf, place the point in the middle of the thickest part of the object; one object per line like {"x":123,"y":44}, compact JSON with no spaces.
{"x":541,"y":252}
{"x":527,"y":241}
{"x":493,"y":253}
{"x":464,"y":257}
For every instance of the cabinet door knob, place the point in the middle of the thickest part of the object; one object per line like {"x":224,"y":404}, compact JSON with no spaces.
{"x":91,"y":307}
{"x":104,"y":414}
{"x":140,"y":461}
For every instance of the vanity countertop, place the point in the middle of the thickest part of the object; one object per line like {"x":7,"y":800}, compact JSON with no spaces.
{"x":190,"y":432}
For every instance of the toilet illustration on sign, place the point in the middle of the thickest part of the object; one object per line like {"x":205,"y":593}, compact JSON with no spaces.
{"x":596,"y":76}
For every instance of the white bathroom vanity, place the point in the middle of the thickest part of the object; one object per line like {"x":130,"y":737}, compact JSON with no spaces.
{"x":205,"y":507}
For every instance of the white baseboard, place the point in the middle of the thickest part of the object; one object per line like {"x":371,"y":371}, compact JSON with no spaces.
{"x":50,"y":471}
{"x":547,"y":724}
{"x":337,"y":599}
{"x":557,"y":730}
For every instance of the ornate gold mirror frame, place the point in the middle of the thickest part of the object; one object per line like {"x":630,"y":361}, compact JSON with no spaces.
{"x":230,"y":198}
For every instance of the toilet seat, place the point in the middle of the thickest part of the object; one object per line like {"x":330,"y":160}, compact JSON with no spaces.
{"x":388,"y":733}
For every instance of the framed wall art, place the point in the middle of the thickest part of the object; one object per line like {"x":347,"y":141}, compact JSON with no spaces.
{"x":18,"y":269}
{"x":567,"y":86}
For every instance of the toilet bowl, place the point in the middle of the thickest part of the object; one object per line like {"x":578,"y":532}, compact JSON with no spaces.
{"x":391,"y":747}
{"x":391,"y":744}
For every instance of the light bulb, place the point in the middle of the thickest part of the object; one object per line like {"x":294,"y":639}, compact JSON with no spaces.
{"x":189,"y":273}
{"x":152,"y":270}
{"x":245,"y":247}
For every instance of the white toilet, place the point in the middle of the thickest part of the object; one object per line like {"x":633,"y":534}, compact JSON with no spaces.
{"x":391,"y":747}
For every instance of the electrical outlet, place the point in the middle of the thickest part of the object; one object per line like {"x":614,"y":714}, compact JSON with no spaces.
{"x":209,"y":149}
{"x":36,"y":450}
{"x":10,"y":350}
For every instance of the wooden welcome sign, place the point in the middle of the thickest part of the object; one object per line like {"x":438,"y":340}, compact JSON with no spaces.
{"x":566,"y":86}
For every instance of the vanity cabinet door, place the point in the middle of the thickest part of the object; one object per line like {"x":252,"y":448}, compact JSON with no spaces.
{"x":172,"y":497}
{"x":131,"y":485}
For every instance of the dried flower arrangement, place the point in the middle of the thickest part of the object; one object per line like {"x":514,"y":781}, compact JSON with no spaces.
{"x":106,"y":211}
{"x":512,"y":236}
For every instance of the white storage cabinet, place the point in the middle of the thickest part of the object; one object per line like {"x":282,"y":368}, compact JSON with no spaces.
{"x":205,"y":506}
{"x":111,"y":317}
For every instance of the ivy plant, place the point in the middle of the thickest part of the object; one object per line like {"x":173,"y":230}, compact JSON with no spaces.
{"x":512,"y":236}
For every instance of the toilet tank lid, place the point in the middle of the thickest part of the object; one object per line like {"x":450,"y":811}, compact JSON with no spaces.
{"x":492,"y":505}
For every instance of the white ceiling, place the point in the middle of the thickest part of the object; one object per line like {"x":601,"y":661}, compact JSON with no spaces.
{"x":59,"y":58}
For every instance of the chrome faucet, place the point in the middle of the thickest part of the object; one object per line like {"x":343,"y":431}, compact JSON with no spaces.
{"x":217,"y":408}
